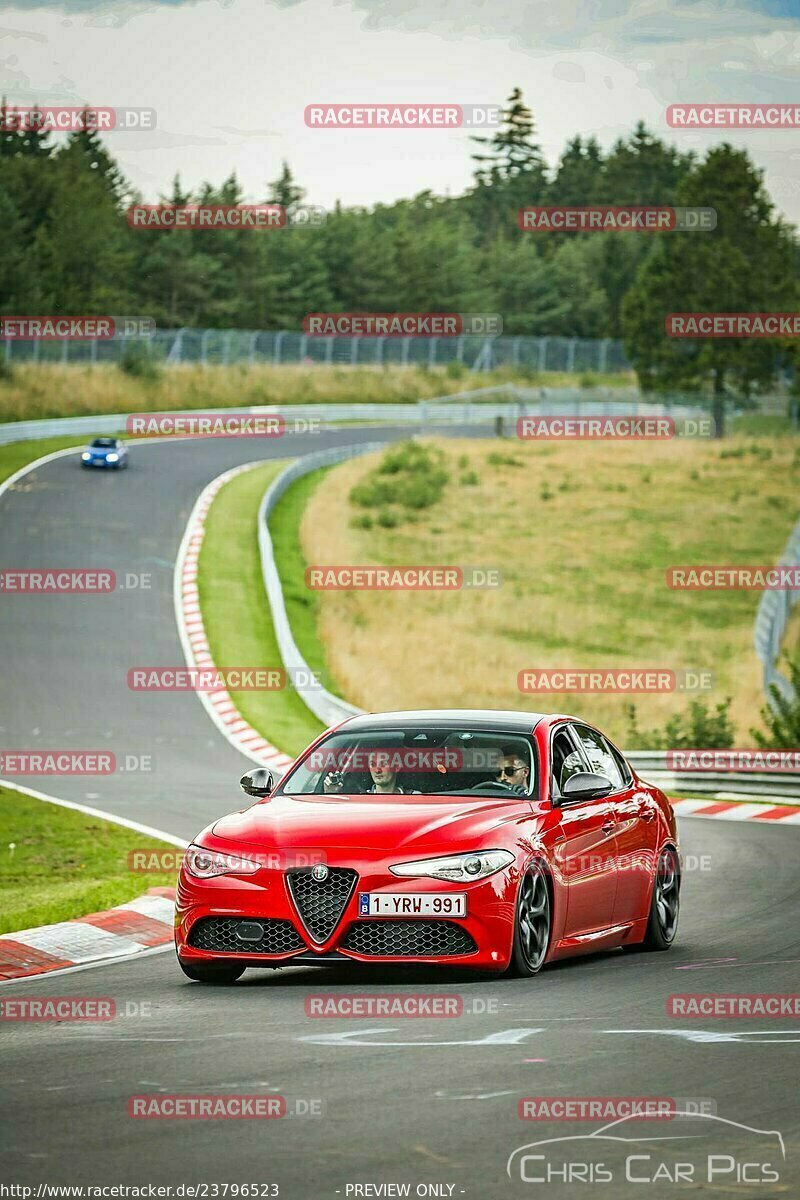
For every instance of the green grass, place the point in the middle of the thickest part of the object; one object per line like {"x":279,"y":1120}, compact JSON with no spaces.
{"x":302,"y":604}
{"x":19,"y":454}
{"x":236,"y":613}
{"x":762,"y":425}
{"x":65,"y":864}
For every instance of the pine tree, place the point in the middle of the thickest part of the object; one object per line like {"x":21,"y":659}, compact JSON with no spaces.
{"x":746,"y":264}
{"x":87,"y":144}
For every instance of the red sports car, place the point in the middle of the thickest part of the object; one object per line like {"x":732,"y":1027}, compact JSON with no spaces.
{"x":494,"y":840}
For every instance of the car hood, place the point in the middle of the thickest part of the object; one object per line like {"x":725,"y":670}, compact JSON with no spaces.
{"x":371,"y":822}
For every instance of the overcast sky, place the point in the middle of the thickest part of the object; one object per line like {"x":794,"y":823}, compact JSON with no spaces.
{"x":230,"y":81}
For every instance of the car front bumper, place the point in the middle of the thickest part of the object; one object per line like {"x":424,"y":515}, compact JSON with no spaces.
{"x":214,"y":913}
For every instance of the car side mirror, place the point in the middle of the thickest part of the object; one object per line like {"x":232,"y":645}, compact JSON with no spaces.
{"x":585,"y":786}
{"x":258,"y":782}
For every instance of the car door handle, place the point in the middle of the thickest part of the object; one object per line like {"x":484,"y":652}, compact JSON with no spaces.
{"x":646,"y":814}
{"x":608,"y":826}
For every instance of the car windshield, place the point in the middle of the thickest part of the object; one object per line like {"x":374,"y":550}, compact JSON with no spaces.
{"x":425,"y":761}
{"x":104,"y":443}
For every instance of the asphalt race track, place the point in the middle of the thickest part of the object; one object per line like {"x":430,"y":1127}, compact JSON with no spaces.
{"x":418,"y":1101}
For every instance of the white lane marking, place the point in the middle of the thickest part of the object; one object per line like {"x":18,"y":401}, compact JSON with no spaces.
{"x":37,"y":462}
{"x":54,"y":454}
{"x":441,"y":1095}
{"x":769,"y":1036}
{"x":731,"y":963}
{"x":149,"y":830}
{"x":43,"y":976}
{"x":505,"y":1037}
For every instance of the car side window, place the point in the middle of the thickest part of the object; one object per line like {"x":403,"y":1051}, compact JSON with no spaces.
{"x":625,"y":770}
{"x":600,"y":755}
{"x":566,"y":761}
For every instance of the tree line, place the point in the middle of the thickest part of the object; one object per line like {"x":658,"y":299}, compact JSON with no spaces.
{"x":66,"y":247}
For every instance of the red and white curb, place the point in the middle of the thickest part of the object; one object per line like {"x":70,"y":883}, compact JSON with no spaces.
{"x":737,"y":810}
{"x":218,"y":704}
{"x":119,"y":932}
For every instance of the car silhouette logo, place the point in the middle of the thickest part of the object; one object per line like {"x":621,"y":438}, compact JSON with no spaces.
{"x":319,"y":872}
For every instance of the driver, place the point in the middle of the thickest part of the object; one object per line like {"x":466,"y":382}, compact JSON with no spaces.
{"x":513,"y":770}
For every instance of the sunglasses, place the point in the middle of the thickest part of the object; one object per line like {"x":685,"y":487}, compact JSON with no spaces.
{"x":501,"y":771}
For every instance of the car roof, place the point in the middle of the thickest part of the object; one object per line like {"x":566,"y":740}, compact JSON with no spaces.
{"x":508,"y":720}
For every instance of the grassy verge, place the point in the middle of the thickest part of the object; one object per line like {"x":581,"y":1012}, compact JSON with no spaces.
{"x":302,"y":605}
{"x":54,"y":391}
{"x":19,"y":454}
{"x":582,"y":535}
{"x":56,"y":863}
{"x":236,"y":613}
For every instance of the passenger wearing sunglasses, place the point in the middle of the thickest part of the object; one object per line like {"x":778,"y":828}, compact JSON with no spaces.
{"x":512,"y":771}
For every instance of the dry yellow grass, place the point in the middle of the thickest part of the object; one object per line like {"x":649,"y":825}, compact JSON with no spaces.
{"x":583,"y":534}
{"x":49,"y":391}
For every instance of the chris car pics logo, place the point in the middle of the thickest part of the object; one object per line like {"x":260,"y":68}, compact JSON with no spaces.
{"x":699,"y":1149}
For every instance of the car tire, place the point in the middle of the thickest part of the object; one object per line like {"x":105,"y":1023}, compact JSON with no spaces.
{"x":662,"y":923}
{"x":219,"y":973}
{"x":533,"y":922}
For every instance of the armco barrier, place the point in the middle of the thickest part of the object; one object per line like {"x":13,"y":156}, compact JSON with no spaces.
{"x":326,"y":707}
{"x":780,"y":786}
{"x":773,"y":614}
{"x":478,"y":406}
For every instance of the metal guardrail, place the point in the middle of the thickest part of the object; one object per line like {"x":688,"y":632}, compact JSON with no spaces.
{"x":210,"y":347}
{"x":478,"y":406}
{"x":324,"y":705}
{"x":780,"y":786}
{"x":772,"y":618}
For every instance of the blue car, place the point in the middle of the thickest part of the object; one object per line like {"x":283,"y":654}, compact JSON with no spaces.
{"x":106,"y":452}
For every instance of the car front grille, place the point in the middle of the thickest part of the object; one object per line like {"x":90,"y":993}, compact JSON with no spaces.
{"x":321,"y":903}
{"x":408,"y":939}
{"x":220,"y":934}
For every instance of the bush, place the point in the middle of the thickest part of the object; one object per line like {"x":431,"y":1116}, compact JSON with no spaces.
{"x":362,"y":521}
{"x":495,"y":459}
{"x":782,"y":718}
{"x":137,"y":360}
{"x":455,"y":370}
{"x":699,"y":729}
{"x":409,"y":476}
{"x":387,"y":518}
{"x":470,"y":479}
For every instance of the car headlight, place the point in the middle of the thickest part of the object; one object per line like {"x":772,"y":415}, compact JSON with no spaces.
{"x":86,"y":456}
{"x":207,"y":864}
{"x":112,"y":457}
{"x":461,"y":867}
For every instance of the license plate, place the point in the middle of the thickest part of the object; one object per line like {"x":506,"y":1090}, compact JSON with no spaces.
{"x":412,"y":904}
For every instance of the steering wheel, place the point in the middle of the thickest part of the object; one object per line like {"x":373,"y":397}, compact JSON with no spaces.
{"x":488,"y":787}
